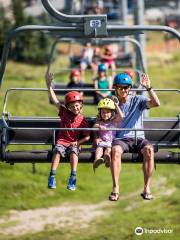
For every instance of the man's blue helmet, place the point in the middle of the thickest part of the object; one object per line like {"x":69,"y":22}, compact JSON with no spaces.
{"x":102,"y":67}
{"x":122,"y":79}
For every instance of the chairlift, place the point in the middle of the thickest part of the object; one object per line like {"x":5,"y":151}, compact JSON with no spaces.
{"x":122,"y":61}
{"x":163,"y":133}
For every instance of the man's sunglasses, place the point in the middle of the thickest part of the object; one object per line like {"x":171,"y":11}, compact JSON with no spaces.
{"x":122,"y":87}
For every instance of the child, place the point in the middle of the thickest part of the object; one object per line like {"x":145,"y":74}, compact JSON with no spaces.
{"x":102,"y":82}
{"x":67,"y":142}
{"x":96,"y":60}
{"x":106,"y":119}
{"x":86,"y":59}
{"x":75,"y":80}
{"x":108,"y":58}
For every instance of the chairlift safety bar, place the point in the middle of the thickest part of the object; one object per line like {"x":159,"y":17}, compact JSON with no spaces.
{"x":81,"y":129}
{"x":75,"y":89}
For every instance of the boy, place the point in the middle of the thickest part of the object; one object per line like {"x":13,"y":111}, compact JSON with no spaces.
{"x":67,"y":142}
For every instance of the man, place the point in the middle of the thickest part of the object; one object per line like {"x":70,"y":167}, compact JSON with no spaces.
{"x":133,"y":108}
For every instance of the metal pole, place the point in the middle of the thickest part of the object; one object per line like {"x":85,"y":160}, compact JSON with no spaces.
{"x":69,"y":6}
{"x":139,"y":20}
{"x":178,"y":4}
{"x":124,"y":14}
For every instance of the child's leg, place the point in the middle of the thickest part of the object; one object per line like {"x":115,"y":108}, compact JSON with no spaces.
{"x":98,"y":153}
{"x":113,"y":66}
{"x":107,"y":65}
{"x":107,"y":156}
{"x":72,"y":180}
{"x":54,"y":165}
{"x":98,"y":158}
{"x":55,"y":161}
{"x":73,"y":162}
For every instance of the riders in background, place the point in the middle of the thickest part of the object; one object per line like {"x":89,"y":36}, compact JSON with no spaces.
{"x":75,"y":80}
{"x":96,"y":60}
{"x":108,"y":57}
{"x":102,"y":81}
{"x":86,"y":59}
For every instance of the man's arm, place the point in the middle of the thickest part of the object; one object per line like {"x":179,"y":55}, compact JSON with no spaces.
{"x":52,"y":96}
{"x":154,"y":100}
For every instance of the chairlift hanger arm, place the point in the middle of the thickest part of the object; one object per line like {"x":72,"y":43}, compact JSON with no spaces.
{"x":78,"y":32}
{"x":64,"y":17}
{"x":81,"y":19}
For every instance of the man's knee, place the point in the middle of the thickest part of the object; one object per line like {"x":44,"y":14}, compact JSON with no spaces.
{"x":117,"y":151}
{"x":148,"y":150}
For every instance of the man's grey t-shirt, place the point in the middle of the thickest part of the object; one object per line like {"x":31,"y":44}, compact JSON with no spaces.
{"x":133,"y":116}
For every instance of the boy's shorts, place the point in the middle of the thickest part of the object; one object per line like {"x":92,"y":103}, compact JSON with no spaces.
{"x":66,"y":151}
{"x":129,"y":144}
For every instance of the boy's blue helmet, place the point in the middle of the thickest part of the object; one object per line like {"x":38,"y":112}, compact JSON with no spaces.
{"x":102,"y":67}
{"x":122,"y":79}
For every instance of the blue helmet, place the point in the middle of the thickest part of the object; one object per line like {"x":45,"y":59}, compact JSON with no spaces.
{"x":102,"y":67}
{"x":122,"y":79}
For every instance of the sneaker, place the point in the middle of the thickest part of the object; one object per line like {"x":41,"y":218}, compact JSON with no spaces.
{"x":52,"y":182}
{"x":97,"y":163}
{"x":72,"y":183}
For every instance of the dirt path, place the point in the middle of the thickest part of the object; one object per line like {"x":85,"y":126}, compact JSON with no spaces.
{"x":66,"y":215}
{"x":31,"y":221}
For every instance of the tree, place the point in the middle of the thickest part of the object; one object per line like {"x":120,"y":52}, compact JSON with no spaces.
{"x":5,"y":26}
{"x":32,"y":47}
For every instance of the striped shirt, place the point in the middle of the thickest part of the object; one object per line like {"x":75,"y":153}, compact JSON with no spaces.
{"x":70,"y":120}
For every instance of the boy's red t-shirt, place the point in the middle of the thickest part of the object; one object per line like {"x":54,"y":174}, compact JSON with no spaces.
{"x":70,"y":120}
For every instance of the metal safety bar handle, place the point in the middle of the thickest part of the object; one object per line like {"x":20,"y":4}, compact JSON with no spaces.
{"x":89,"y":129}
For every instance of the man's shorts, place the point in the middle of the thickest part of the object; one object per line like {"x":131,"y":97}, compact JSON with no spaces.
{"x":130,"y":145}
{"x":66,"y":151}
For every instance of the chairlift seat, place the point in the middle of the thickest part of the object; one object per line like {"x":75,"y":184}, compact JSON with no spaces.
{"x":160,"y":140}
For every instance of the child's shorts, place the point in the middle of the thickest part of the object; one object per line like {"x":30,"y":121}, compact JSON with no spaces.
{"x":104,"y":144}
{"x":66,"y":151}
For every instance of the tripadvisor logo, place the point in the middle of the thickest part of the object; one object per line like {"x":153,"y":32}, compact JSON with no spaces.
{"x":139,"y":231}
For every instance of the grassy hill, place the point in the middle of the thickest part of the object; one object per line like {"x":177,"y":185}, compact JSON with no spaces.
{"x":21,"y":190}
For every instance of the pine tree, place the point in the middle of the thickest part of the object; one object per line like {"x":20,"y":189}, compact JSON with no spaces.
{"x":5,"y":26}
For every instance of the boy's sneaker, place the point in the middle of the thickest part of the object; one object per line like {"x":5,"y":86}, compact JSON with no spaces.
{"x":72,"y":183}
{"x":52,"y":182}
